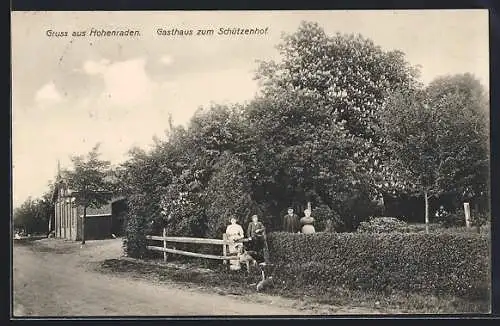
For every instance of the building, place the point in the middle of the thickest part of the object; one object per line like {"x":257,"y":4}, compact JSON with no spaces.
{"x":100,"y":223}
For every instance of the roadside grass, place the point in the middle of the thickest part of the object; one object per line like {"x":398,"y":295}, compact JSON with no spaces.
{"x":24,"y":240}
{"x":219,"y":279}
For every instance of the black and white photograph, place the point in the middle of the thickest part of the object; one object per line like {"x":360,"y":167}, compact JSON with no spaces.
{"x":250,"y":163}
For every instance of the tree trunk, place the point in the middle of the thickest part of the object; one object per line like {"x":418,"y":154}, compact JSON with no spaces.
{"x":426,"y":198}
{"x":83,"y":224}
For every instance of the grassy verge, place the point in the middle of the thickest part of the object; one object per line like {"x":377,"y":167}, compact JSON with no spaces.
{"x":222,"y":281}
{"x":25,"y":239}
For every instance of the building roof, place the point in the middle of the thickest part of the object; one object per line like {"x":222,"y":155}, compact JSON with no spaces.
{"x":61,"y":183}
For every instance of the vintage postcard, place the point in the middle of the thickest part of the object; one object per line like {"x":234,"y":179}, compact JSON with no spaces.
{"x":244,"y":163}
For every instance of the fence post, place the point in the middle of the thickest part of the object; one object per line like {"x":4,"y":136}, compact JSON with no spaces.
{"x":467,"y":215}
{"x":224,"y":248}
{"x":164,"y":245}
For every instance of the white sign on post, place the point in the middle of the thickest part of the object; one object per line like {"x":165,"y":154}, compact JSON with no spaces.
{"x":467,"y":214}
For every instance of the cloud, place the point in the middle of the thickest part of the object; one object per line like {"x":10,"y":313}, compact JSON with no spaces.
{"x":167,"y":60}
{"x":48,"y":93}
{"x":126,"y":82}
{"x":94,"y":68}
{"x":186,"y":93}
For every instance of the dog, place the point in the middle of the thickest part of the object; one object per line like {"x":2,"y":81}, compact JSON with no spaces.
{"x":266,"y":282}
{"x":247,"y":259}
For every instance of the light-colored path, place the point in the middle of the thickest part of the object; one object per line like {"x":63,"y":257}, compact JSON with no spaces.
{"x":58,"y":282}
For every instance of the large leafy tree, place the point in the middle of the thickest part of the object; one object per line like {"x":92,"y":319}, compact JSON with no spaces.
{"x":466,"y":100}
{"x":317,"y":135}
{"x":88,"y":179}
{"x":211,"y":133}
{"x":348,"y":73}
{"x":437,"y":138}
{"x":169,"y":182}
{"x":304,"y":155}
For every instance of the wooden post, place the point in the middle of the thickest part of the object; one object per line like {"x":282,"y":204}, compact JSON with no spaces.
{"x":309,"y":205}
{"x":467,"y":214}
{"x":426,"y":198}
{"x":83,"y":224}
{"x":224,"y":248}
{"x":50,"y":222}
{"x":70,"y":220}
{"x":164,"y":245}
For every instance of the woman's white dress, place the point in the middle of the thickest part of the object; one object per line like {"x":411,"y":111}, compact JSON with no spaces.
{"x":307,"y":223}
{"x":234,"y":232}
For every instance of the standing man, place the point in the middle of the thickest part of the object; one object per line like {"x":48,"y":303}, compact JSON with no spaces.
{"x":291,"y":222}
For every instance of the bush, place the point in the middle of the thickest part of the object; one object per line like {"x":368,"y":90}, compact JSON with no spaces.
{"x":228,"y":195}
{"x":135,"y":242}
{"x":456,"y":264}
{"x":480,"y":219}
{"x":382,"y":225}
{"x":457,"y":219}
{"x":326,"y":219}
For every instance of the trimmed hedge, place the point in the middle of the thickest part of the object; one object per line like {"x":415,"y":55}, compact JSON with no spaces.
{"x":381,"y":225}
{"x":457,"y":264}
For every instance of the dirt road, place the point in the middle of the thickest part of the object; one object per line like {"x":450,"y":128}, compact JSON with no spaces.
{"x":56,"y":278}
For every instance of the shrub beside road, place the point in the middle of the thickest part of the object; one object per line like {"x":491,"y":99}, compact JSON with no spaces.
{"x":435,"y":263}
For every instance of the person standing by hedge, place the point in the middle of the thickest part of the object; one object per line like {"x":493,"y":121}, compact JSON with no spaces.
{"x":307,"y":222}
{"x":291,"y":222}
{"x":256,"y":233}
{"x":255,"y":228}
{"x":234,"y":232}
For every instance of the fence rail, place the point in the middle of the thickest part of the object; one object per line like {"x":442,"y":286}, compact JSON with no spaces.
{"x":224,"y":243}
{"x":189,"y":240}
{"x":192,"y":254}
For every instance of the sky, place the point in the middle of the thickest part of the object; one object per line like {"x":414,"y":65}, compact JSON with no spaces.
{"x":69,"y":93}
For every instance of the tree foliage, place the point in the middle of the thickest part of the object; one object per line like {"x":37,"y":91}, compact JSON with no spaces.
{"x":317,"y":121}
{"x":88,"y":179}
{"x":33,"y":215}
{"x":437,"y":138}
{"x":228,"y":195}
{"x":466,"y":102}
{"x":89,"y":182}
{"x":339,"y":122}
{"x":347,"y":74}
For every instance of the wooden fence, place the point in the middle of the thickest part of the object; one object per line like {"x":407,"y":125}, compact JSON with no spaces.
{"x":224,"y":242}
